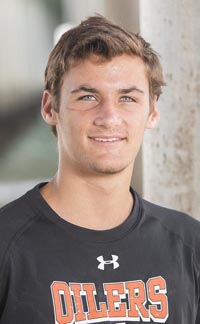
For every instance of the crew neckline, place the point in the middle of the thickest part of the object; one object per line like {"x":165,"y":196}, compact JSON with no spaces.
{"x":81,"y":233}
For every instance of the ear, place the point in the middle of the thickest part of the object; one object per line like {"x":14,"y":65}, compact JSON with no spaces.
{"x":154,"y":115}
{"x":47,"y":108}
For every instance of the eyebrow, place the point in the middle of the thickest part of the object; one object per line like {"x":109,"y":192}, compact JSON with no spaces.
{"x":93,"y":90}
{"x":131,"y":90}
{"x":82,"y":88}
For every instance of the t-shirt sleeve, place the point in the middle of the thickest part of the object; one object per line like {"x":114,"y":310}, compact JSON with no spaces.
{"x":13,"y":217}
{"x":3,"y":286}
{"x":198,"y":315}
{"x":4,"y":244}
{"x":198,"y":289}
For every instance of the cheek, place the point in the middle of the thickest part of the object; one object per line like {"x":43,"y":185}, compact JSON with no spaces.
{"x":137,"y":123}
{"x":136,"y":133}
{"x":73,"y":132}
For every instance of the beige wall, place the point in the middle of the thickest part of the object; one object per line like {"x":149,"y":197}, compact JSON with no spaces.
{"x":171,"y":152}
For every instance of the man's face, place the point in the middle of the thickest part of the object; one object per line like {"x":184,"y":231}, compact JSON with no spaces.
{"x":104,"y":110}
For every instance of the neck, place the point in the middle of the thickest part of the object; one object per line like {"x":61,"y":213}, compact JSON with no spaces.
{"x":93,"y":202}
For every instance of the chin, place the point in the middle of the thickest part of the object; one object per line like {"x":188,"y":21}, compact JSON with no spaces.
{"x":108,"y":169}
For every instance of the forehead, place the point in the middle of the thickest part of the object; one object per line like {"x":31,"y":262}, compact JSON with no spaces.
{"x":120,"y":70}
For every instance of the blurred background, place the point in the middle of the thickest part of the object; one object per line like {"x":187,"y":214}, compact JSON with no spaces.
{"x":167,"y":170}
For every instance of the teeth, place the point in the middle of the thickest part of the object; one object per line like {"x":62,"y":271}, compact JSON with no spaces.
{"x":106,"y":139}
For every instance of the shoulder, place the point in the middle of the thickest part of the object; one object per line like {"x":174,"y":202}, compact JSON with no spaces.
{"x":174,"y":219}
{"x":177,"y":223}
{"x":15,"y":214}
{"x":15,"y":217}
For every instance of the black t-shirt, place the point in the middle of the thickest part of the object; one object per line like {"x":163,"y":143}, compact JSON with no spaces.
{"x":51,"y":271}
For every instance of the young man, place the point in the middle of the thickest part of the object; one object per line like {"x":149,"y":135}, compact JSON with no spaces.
{"x":85,"y":248}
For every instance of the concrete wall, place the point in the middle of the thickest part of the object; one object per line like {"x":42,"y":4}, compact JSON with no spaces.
{"x":171,"y":152}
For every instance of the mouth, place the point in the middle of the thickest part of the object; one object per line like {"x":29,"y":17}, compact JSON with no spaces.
{"x":107,"y":139}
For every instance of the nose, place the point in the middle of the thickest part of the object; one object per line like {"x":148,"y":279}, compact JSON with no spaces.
{"x":107,"y":115}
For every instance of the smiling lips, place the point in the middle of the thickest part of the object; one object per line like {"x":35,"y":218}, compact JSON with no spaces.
{"x":107,"y":139}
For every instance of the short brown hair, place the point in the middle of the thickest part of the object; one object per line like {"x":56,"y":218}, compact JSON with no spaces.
{"x":96,"y":35}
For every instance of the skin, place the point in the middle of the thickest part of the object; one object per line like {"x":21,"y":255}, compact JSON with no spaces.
{"x":93,"y":177}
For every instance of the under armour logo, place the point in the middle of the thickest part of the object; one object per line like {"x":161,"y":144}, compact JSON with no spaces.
{"x":103,"y":262}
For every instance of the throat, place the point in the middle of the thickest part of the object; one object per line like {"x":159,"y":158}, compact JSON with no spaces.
{"x":95,"y":212}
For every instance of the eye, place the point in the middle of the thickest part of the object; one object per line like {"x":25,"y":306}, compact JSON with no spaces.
{"x":87,"y":98}
{"x":127,"y":99}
